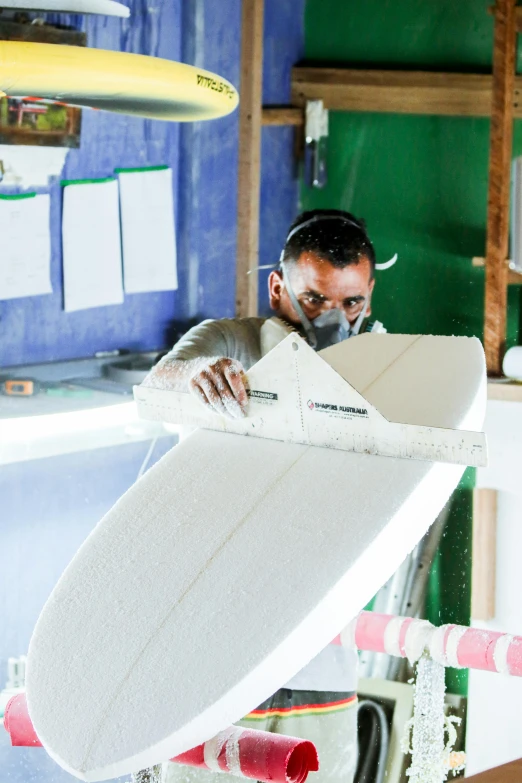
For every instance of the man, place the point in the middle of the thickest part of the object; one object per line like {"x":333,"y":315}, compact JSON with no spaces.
{"x":322,"y":289}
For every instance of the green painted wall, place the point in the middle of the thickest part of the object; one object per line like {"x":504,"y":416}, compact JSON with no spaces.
{"x":449,"y":591}
{"x":421,"y":185}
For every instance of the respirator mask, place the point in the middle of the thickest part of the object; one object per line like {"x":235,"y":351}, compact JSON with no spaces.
{"x":332,"y":326}
{"x":329,"y":328}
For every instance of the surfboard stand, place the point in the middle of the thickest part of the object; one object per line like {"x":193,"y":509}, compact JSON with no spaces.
{"x":246,"y":753}
{"x":431,"y":648}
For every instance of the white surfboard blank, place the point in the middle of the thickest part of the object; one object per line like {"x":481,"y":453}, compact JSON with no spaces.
{"x":231,"y":564}
{"x":102,"y":7}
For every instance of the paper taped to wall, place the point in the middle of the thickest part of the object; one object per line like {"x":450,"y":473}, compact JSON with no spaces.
{"x":147,"y":226}
{"x":91,"y":244}
{"x":26,"y":246}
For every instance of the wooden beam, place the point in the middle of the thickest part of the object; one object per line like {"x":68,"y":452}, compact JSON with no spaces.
{"x":500,"y":151}
{"x":40,"y":33}
{"x":399,"y":92}
{"x":507,"y":773}
{"x":249,"y":165}
{"x":507,"y":391}
{"x":518,"y":18}
{"x":484,"y":554}
{"x":514,"y":277}
{"x":283,"y":115}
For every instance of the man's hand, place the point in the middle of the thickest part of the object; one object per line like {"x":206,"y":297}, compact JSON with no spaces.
{"x":219,"y":385}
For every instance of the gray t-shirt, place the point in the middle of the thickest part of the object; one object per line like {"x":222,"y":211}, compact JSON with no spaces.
{"x":234,"y":338}
{"x":335,"y":668}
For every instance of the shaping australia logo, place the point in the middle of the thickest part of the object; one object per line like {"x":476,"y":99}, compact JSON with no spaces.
{"x":327,"y":407}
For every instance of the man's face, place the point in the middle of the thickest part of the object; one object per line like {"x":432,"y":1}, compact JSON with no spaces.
{"x":319,"y":286}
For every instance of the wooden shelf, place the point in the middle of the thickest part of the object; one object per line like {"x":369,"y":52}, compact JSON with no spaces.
{"x":514,"y":277}
{"x":504,"y":390}
{"x":282,"y":115}
{"x":399,"y":92}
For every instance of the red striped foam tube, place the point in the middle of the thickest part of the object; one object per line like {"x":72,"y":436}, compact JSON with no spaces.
{"x":274,"y":758}
{"x":18,"y":723}
{"x":451,"y":645}
{"x":255,"y":754}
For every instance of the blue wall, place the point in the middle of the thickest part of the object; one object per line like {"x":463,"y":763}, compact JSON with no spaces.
{"x":40,"y":530}
{"x":203,"y":157}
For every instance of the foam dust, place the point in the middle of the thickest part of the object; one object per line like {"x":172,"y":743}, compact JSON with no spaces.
{"x":430,"y":735}
{"x":151,"y":775}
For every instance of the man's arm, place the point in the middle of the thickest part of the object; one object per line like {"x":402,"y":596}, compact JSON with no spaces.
{"x":199,"y":364}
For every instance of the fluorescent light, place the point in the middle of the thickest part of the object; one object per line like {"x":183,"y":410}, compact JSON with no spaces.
{"x":33,"y":427}
{"x":35,"y":437}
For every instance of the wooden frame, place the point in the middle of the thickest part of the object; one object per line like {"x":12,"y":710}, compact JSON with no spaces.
{"x":402,"y":92}
{"x":501,"y":144}
{"x":249,"y":181}
{"x":39,"y":124}
{"x":513,"y":277}
{"x":397,"y":92}
{"x":40,"y":33}
{"x":484,"y":554}
{"x":282,"y":115}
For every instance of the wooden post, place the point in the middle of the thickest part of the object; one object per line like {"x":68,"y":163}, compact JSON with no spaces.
{"x":484,"y":554}
{"x":501,"y":135}
{"x":249,"y":181}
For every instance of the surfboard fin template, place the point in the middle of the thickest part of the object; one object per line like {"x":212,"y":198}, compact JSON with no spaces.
{"x":296,"y":396}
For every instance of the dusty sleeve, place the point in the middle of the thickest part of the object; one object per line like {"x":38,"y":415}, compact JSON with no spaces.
{"x":205,"y":339}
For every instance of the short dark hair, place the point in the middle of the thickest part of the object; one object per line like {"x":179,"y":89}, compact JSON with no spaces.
{"x":341,"y":242}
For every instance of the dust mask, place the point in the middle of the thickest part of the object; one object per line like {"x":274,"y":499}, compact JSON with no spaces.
{"x":329,"y":328}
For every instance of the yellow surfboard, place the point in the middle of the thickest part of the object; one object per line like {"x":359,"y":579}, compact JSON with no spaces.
{"x":114,"y":81}
{"x":105,"y":7}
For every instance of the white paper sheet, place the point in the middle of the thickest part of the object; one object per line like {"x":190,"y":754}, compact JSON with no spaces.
{"x":148,"y":233}
{"x":91,"y":245}
{"x":25,"y":260}
{"x":30,"y":167}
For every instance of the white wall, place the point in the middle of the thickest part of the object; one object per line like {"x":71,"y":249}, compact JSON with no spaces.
{"x":494,"y":733}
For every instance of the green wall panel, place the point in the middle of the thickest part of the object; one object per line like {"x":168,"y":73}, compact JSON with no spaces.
{"x":421,"y":185}
{"x":412,"y":32}
{"x":449,"y":592}
{"x":420,"y":182}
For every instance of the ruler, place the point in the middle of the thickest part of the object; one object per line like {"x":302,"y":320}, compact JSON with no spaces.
{"x":295,"y":396}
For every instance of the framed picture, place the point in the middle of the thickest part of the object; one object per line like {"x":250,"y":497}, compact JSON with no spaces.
{"x":27,"y":119}
{"x":39,"y":123}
